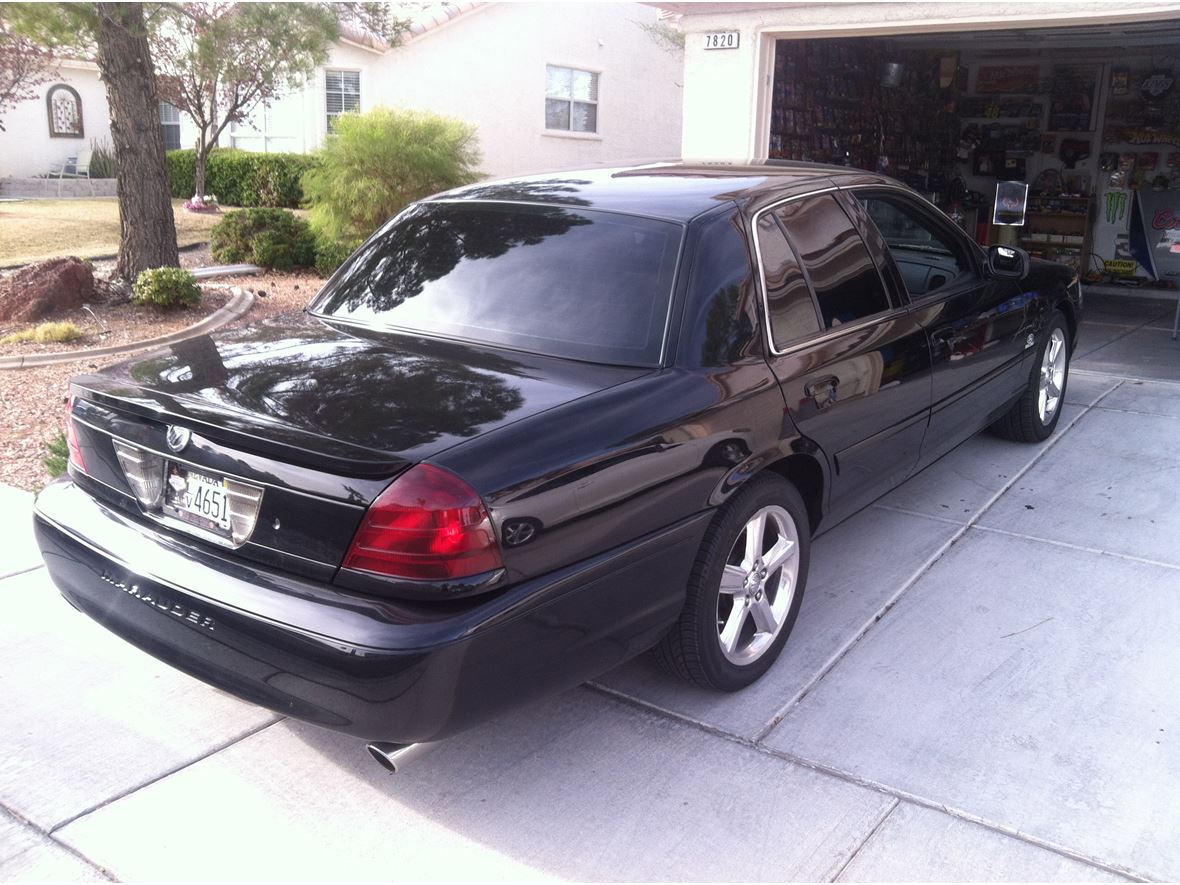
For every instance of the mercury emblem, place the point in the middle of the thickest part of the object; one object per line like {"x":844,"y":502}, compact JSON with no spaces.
{"x":177,"y":437}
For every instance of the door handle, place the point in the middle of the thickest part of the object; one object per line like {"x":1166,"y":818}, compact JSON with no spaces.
{"x":822,"y":390}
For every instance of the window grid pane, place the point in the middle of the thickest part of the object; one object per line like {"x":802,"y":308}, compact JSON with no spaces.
{"x":585,"y":86}
{"x":585,"y":117}
{"x":571,"y":102}
{"x":557,"y":82}
{"x":342,"y":93}
{"x":557,"y":114}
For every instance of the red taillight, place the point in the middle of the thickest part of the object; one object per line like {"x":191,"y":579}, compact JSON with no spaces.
{"x":72,"y":438}
{"x":428,"y":525}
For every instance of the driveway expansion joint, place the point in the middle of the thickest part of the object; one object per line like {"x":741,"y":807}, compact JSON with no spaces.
{"x":69,"y":849}
{"x":868,"y":838}
{"x":875,"y":786}
{"x":1081,"y":548}
{"x":109,"y":800}
{"x":925,"y":567}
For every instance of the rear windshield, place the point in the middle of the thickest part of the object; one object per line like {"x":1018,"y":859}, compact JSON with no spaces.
{"x":566,"y":282}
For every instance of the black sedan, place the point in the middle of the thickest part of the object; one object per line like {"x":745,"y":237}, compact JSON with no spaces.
{"x":535,"y":427}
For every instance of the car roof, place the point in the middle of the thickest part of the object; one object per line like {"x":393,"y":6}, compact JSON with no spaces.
{"x":677,"y":190}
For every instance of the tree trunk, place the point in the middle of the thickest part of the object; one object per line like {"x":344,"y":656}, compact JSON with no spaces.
{"x":202,"y":164}
{"x":147,"y":228}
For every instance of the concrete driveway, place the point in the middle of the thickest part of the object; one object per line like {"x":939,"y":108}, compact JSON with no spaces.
{"x":982,"y":685}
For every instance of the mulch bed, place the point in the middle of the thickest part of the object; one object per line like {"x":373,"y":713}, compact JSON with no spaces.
{"x":32,"y":401}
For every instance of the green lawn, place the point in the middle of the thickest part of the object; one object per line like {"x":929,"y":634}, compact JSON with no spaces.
{"x":33,"y":230}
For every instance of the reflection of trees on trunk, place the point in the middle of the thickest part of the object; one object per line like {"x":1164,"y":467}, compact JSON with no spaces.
{"x":308,"y":375}
{"x":380,"y":397}
{"x":429,"y":242}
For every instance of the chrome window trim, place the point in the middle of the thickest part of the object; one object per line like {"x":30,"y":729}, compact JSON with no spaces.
{"x":205,"y":468}
{"x":661,"y":360}
{"x":824,"y":334}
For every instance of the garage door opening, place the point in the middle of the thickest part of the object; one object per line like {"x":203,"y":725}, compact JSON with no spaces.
{"x":1087,"y":117}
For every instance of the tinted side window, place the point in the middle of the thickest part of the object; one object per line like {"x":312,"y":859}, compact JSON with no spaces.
{"x":846,"y":283}
{"x":791,"y":310}
{"x":928,"y":257}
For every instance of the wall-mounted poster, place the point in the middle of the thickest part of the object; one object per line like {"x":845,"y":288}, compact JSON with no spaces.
{"x":1011,"y":201}
{"x":1071,"y":103}
{"x":1008,"y":79}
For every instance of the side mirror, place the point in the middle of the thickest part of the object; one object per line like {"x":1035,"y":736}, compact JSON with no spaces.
{"x":1007,"y":262}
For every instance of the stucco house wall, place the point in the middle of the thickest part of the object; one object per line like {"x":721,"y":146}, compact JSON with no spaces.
{"x":26,"y":147}
{"x":487,"y":67}
{"x":298,"y":122}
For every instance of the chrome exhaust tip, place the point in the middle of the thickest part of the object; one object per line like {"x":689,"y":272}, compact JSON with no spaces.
{"x":394,"y":757}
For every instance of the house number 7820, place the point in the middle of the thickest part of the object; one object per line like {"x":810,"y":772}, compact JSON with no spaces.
{"x":721,"y":40}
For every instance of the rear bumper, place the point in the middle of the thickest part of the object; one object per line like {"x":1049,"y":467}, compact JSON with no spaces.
{"x":377,"y":669}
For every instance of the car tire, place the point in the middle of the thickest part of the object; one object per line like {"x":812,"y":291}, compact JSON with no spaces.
{"x":736,"y":618}
{"x":1034,"y":416}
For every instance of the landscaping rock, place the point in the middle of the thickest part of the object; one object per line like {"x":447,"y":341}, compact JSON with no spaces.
{"x":47,"y":288}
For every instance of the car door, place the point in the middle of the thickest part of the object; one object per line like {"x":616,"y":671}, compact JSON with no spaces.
{"x":853,"y":364}
{"x":980,"y":329}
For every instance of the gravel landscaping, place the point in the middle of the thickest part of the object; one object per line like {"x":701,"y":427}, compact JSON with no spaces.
{"x":32,"y":401}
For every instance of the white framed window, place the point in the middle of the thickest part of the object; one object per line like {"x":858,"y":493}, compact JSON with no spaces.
{"x":571,"y":99}
{"x":343,"y":90}
{"x":170,"y":124}
{"x":270,"y":127}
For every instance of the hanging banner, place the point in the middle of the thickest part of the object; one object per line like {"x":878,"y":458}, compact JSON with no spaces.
{"x":1011,"y":201}
{"x":1155,"y":232}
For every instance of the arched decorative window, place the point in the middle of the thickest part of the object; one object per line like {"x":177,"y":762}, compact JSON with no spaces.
{"x":65,"y":112}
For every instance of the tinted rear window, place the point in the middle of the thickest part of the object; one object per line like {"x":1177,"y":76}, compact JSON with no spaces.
{"x":567,"y":282}
{"x":846,"y":283}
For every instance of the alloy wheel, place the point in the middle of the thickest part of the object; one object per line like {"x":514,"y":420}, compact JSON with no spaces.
{"x":757,"y":585}
{"x":1052,"y":376}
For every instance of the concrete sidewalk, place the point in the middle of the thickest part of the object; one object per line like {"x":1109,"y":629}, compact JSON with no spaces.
{"x":981,"y":685}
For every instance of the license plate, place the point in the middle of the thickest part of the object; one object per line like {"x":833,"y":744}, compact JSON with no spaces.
{"x":197,"y":498}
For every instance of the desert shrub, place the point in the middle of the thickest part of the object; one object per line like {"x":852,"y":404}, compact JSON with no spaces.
{"x":46,"y":333}
{"x":102,"y":159}
{"x":167,"y":287}
{"x":242,"y":178}
{"x":330,"y":253}
{"x":376,"y":163}
{"x":269,"y":237}
{"x":57,"y":455}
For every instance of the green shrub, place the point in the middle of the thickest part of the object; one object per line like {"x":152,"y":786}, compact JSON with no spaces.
{"x":242,"y":178}
{"x":57,"y":455}
{"x":182,"y":173}
{"x":267,"y":237}
{"x":46,"y":333}
{"x":167,"y":287}
{"x":376,"y":163}
{"x":330,"y":254}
